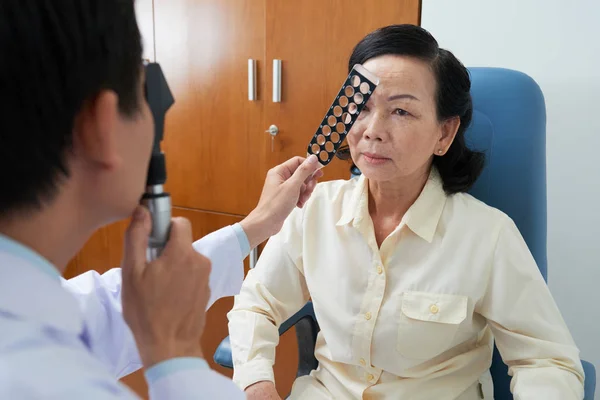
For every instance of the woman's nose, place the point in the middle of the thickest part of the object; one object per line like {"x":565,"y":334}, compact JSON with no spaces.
{"x":375,"y":129}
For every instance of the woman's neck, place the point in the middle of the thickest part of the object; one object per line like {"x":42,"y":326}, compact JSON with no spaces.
{"x":390,"y":200}
{"x":394,"y":198}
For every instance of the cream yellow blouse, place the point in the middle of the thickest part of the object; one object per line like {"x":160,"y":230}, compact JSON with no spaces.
{"x":414,"y":319}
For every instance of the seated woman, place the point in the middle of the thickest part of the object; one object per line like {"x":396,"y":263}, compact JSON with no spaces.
{"x":411,"y":278}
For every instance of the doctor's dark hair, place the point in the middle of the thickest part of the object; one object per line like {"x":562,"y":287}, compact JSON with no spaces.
{"x":460,"y":166}
{"x":54,"y":57}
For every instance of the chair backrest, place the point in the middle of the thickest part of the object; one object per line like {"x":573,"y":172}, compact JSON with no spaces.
{"x":509,"y":125}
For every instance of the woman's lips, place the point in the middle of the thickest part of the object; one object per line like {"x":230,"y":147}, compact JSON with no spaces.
{"x":375,"y":159}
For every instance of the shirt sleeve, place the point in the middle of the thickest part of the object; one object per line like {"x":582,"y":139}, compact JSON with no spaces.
{"x":529,"y":330}
{"x":189,"y":378}
{"x":99,"y":298}
{"x":272,"y":292}
{"x":242,"y":239}
{"x":110,"y":339}
{"x":225,"y":249}
{"x":63,"y":372}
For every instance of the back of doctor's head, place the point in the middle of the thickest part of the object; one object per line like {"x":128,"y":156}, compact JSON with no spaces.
{"x":54,"y":56}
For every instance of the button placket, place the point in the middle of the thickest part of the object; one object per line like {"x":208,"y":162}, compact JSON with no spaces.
{"x":370,"y":310}
{"x":376,"y":290}
{"x":372,"y":376}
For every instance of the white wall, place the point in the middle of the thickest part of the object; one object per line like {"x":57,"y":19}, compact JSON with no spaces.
{"x":556,"y":42}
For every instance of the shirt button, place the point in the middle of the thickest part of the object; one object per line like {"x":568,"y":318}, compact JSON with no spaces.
{"x":434,"y":309}
{"x":363,"y":362}
{"x":380,"y":270}
{"x":370,"y":377}
{"x":368,"y":316}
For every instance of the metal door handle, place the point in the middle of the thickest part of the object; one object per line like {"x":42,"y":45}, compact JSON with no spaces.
{"x":251,"y":79}
{"x":276,"y":81}
{"x":273,"y":130}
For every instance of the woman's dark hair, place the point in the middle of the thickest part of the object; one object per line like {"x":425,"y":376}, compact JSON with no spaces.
{"x":459,"y":167}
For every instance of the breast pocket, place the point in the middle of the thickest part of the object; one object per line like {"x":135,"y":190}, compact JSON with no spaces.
{"x":428,"y":323}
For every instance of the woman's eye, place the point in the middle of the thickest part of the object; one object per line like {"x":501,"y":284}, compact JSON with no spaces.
{"x":365,"y":110}
{"x":401,"y":112}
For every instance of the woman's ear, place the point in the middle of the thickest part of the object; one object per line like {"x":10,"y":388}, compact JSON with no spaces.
{"x":449,"y":130}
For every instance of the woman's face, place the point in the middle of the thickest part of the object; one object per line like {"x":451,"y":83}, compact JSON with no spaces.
{"x":398,"y":132}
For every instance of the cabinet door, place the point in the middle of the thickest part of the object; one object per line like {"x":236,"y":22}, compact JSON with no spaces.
{"x":314,"y":41}
{"x":214,"y":138}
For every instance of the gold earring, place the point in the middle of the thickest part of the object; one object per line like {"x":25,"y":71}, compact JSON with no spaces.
{"x":440,"y":151}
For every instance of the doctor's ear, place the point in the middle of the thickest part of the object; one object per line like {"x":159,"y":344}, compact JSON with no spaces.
{"x":95,"y":130}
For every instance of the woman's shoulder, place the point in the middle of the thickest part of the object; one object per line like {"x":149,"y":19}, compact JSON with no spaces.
{"x":331,"y":190}
{"x":333,"y":196}
{"x":465,"y":207}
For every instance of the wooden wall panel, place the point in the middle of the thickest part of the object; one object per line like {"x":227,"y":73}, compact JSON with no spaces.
{"x":102,"y":251}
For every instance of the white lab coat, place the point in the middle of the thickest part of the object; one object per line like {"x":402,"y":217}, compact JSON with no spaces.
{"x":56,"y":344}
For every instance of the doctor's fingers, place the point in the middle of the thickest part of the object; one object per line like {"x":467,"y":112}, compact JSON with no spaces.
{"x":318,"y":174}
{"x":179,"y":252}
{"x":307,"y":191}
{"x":304,"y":172}
{"x":287,"y":169}
{"x":136,"y":241}
{"x":180,"y":239}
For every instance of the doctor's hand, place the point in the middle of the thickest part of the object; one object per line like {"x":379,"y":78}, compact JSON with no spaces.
{"x":287,"y":186}
{"x":164,"y":301}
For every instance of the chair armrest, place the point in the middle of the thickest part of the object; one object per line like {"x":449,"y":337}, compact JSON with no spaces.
{"x":305,"y":312}
{"x":590,"y":380}
{"x":223,"y":356}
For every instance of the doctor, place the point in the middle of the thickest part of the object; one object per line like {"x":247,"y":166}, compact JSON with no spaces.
{"x":75,"y":141}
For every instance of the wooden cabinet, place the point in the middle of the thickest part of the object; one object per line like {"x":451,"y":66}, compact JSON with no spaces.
{"x":215,"y":142}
